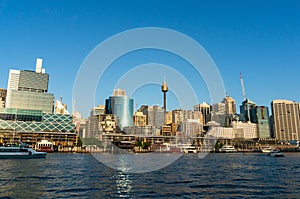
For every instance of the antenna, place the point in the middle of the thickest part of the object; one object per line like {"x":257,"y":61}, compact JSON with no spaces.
{"x":243,"y":87}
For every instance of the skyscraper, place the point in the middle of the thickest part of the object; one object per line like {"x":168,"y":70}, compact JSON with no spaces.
{"x":154,"y":115}
{"x":29,"y":90}
{"x":205,"y":111}
{"x":245,"y":108}
{"x":286,"y":120}
{"x":230,"y":106}
{"x":260,"y":116}
{"x":122,"y":106}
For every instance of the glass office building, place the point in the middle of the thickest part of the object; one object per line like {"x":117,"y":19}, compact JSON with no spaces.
{"x":28,"y":90}
{"x":260,"y":116}
{"x":122,"y":107}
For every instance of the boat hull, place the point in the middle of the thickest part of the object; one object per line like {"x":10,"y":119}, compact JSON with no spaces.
{"x":23,"y":156}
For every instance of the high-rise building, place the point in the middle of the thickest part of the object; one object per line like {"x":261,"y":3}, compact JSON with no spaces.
{"x":122,"y":106}
{"x":168,"y":117}
{"x":230,"y":106}
{"x":260,"y":116}
{"x":245,"y":108}
{"x":29,"y":90}
{"x":177,"y":116}
{"x":2,"y":97}
{"x":154,"y":115}
{"x":205,"y":110}
{"x":100,"y":124}
{"x":139,"y":119}
{"x":191,"y":127}
{"x":286,"y":120}
{"x":97,"y":110}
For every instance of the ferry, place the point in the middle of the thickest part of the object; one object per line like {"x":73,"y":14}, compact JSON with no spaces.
{"x":20,"y":152}
{"x":266,"y":149}
{"x":227,"y":149}
{"x":44,"y":146}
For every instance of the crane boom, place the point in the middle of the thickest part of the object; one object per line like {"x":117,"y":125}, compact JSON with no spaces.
{"x":243,"y":87}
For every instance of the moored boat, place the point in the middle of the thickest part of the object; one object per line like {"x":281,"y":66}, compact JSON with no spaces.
{"x":44,"y":146}
{"x":266,"y":149}
{"x":227,"y":149}
{"x":276,"y":153}
{"x":20,"y":152}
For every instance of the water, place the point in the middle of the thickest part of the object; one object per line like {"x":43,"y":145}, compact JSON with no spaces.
{"x":216,"y":176}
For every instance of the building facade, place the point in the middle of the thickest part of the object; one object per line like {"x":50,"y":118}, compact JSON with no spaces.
{"x":29,"y":90}
{"x":245,"y":110}
{"x":121,"y":106}
{"x":2,"y":97}
{"x":230,"y":105}
{"x":34,"y":125}
{"x":260,"y":116}
{"x":139,"y":119}
{"x":286,"y":120}
{"x":205,"y":110}
{"x":155,"y":115}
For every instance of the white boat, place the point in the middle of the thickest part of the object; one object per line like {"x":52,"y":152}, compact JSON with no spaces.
{"x":187,"y":148}
{"x":276,"y":153}
{"x":228,"y":149}
{"x":190,"y":150}
{"x":44,"y":146}
{"x":266,"y":149}
{"x":20,"y":152}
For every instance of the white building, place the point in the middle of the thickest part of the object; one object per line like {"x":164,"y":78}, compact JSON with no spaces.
{"x":245,"y":130}
{"x":191,"y":127}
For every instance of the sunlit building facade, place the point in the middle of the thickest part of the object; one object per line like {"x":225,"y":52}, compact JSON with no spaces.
{"x":286,"y":120}
{"x":121,"y":106}
{"x":34,"y":125}
{"x":2,"y":97}
{"x":29,"y":90}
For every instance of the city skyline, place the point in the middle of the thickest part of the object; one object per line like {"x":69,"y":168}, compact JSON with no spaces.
{"x":261,"y":40}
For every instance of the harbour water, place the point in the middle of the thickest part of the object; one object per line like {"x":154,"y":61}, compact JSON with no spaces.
{"x":235,"y":175}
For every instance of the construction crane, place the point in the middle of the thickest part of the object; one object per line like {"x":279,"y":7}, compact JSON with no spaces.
{"x":244,"y":95}
{"x":243,"y":87}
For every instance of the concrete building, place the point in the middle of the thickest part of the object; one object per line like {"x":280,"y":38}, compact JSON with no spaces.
{"x":100,"y":124}
{"x":218,"y":113}
{"x":98,"y":110}
{"x":177,"y":116}
{"x":122,"y":106}
{"x":191,"y":127}
{"x":29,"y":90}
{"x":230,"y":105}
{"x":2,"y":97}
{"x":141,"y":130}
{"x":286,"y":120}
{"x":154,"y":115}
{"x":168,"y":117}
{"x":245,"y":130}
{"x":139,"y":119}
{"x":205,"y":110}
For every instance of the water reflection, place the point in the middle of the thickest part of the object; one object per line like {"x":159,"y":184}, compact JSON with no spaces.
{"x":124,"y":184}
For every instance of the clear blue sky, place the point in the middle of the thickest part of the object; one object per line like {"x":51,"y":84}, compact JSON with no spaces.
{"x":261,"y":39}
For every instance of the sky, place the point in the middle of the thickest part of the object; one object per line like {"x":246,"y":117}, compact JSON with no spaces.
{"x":261,"y":39}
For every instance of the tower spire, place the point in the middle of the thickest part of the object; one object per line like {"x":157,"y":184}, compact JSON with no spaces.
{"x":164,"y":89}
